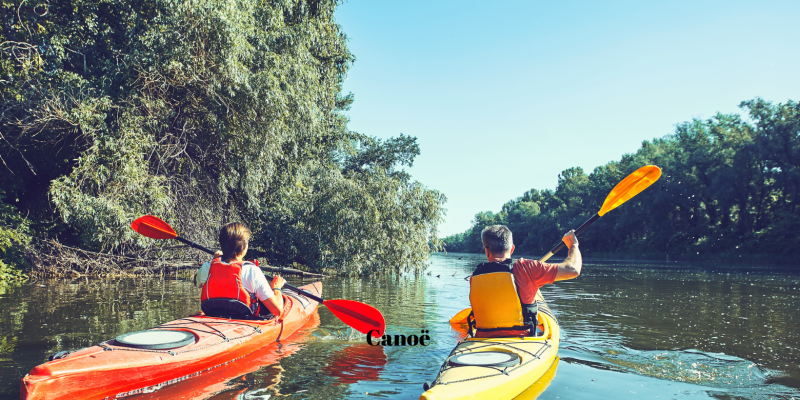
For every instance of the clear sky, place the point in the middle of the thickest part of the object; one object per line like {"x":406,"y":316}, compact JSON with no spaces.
{"x":503,"y":96}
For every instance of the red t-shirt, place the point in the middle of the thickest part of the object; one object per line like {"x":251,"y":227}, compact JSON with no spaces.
{"x":530,"y":275}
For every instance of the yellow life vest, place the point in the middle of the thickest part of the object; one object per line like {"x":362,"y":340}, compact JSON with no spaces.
{"x":494,"y":298}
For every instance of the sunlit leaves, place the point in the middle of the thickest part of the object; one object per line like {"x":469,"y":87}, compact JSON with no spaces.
{"x":204,"y":112}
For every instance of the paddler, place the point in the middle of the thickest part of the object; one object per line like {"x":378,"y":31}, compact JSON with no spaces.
{"x":502,"y":296}
{"x":234,"y":288}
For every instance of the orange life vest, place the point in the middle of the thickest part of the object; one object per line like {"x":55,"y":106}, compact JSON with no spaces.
{"x":223,"y":293}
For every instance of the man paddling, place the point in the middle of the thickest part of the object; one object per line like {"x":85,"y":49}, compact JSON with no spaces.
{"x":502,"y":297}
{"x":234,"y":288}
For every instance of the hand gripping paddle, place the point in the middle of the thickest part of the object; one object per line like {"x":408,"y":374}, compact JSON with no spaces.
{"x":629,"y":187}
{"x":360,"y":316}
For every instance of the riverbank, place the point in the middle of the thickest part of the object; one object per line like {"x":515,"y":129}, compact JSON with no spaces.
{"x":762,"y":259}
{"x":52,"y":259}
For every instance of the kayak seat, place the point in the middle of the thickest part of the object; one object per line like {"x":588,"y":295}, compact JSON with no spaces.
{"x":531,"y":326}
{"x":227,"y":308}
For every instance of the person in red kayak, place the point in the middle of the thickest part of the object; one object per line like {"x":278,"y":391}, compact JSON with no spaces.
{"x":234,"y":288}
{"x":502,"y":296}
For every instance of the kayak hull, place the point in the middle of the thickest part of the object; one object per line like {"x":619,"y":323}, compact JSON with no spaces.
{"x":225,"y":382}
{"x":109,"y":370}
{"x":538,"y":360}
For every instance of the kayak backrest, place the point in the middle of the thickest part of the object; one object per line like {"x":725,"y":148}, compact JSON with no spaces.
{"x":226,"y":308}
{"x":494,"y":301}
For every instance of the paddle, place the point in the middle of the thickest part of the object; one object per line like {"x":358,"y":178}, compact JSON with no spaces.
{"x":632,"y":185}
{"x":629,"y":187}
{"x":360,"y":316}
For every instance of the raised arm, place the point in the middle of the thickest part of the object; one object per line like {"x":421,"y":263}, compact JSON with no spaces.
{"x":571,"y":267}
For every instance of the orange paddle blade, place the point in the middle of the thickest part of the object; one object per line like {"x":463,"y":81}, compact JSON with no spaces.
{"x":461,"y":317}
{"x":360,"y":316}
{"x":632,"y":185}
{"x":153,"y":228}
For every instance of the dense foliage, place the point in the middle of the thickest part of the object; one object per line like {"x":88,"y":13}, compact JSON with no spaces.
{"x":201,"y":112}
{"x":729,"y":188}
{"x":14,"y":237}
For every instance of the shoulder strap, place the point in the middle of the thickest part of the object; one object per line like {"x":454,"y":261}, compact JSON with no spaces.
{"x":491,"y":267}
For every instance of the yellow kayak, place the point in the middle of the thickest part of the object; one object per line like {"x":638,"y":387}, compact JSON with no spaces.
{"x":509,"y":368}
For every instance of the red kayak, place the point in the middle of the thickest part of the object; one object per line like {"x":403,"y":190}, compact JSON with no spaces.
{"x":230,"y":382}
{"x":139,"y":362}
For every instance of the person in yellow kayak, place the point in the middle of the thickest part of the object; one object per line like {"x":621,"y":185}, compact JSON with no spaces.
{"x":502,"y":296}
{"x":234,"y":288}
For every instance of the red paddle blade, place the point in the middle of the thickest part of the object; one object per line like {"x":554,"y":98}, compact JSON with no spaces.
{"x":359,"y":316}
{"x":153,"y":228}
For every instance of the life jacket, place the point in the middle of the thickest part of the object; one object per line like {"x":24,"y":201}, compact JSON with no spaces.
{"x":495,"y":303}
{"x":223,"y":294}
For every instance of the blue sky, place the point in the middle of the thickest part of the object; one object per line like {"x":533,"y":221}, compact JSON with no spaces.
{"x":503,"y":96}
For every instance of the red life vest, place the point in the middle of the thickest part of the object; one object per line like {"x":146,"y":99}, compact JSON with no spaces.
{"x":223,"y":293}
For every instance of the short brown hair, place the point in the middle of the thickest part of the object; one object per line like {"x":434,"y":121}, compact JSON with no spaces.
{"x":233,"y":239}
{"x":497,"y":238}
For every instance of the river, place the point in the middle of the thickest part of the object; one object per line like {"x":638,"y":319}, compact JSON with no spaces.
{"x":630,"y":330}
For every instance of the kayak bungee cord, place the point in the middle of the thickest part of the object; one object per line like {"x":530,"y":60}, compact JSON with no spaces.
{"x":213,"y":331}
{"x":106,"y":346}
{"x":488,"y":343}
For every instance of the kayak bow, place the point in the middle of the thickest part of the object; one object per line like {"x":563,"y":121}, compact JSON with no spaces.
{"x":508,"y":367}
{"x":112,"y":370}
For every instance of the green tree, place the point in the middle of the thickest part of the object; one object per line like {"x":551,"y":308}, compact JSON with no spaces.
{"x":729,"y":187}
{"x":201,"y":112}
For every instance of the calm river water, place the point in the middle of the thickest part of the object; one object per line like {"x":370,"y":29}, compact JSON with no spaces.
{"x":630,"y":331}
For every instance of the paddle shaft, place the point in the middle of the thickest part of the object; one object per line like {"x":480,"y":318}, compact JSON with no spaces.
{"x":195,"y":245}
{"x":561,"y":244}
{"x":292,"y":288}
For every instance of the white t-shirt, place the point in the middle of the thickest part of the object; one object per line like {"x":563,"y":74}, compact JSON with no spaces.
{"x":252,"y":278}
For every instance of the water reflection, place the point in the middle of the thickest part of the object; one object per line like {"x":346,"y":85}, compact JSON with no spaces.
{"x":356,"y":363}
{"x":541,"y":385}
{"x":629,"y":331}
{"x":725,"y":329}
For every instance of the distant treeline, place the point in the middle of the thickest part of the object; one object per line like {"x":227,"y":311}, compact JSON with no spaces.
{"x":729,"y":188}
{"x":200,"y":112}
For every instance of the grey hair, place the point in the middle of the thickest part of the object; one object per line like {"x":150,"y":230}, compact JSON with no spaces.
{"x":497,"y":238}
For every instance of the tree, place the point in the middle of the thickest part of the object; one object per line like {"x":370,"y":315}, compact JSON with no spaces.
{"x":729,"y":185}
{"x":201,"y":112}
